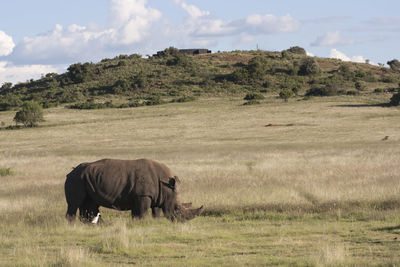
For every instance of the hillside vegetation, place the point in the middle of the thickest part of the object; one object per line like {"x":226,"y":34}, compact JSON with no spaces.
{"x":132,"y":80}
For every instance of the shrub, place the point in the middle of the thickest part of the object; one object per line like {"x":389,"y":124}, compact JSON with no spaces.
{"x":6,"y":86}
{"x":253,"y":96}
{"x":379,"y":90}
{"x":90,"y":104}
{"x":285,"y":94}
{"x":240,"y":75}
{"x":389,"y":78}
{"x":79,"y":72}
{"x":327,"y":90}
{"x":184,"y":99}
{"x":395,"y":99}
{"x":251,"y":102}
{"x":10,"y":101}
{"x":131,"y":105}
{"x":297,"y":50}
{"x":309,"y":66}
{"x":394,"y":64}
{"x":120,"y":86}
{"x":257,"y":68}
{"x":30,"y":114}
{"x":352,"y":92}
{"x":153,"y":101}
{"x":359,"y":86}
{"x":140,"y":80}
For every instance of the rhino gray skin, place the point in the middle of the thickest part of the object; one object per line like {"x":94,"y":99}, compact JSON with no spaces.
{"x":134,"y":185}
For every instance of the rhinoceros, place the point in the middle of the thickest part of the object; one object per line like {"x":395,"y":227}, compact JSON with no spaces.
{"x":134,"y":185}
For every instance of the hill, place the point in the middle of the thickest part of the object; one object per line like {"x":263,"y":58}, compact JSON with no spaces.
{"x":132,"y":80}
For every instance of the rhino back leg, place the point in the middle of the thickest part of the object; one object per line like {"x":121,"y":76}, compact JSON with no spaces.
{"x":75,"y":195}
{"x":140,"y":207}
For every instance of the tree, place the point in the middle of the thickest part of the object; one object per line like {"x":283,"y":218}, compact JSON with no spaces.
{"x":6,"y":86}
{"x":395,"y":99}
{"x":79,"y":72}
{"x":285,"y":94}
{"x":297,"y":50}
{"x":394,"y":64}
{"x":30,"y":114}
{"x":309,"y":66}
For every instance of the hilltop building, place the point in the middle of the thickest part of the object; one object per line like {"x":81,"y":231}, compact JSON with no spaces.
{"x":194,"y":51}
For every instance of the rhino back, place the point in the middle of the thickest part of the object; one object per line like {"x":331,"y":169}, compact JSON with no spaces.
{"x":114,"y":183}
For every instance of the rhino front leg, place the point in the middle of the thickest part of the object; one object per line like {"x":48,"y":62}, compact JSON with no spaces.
{"x":156,"y":212}
{"x":140,"y":208}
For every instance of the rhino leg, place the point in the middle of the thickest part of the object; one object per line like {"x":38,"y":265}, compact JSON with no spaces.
{"x":71,"y":212}
{"x":156,"y":212}
{"x":140,"y":207}
{"x":75,"y":195}
{"x":89,"y":211}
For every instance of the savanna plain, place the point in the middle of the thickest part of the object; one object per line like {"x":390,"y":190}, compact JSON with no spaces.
{"x":306,"y":182}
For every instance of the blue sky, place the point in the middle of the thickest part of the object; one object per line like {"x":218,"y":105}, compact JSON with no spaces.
{"x":41,"y":36}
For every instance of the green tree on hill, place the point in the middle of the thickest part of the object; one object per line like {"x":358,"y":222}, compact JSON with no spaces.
{"x":309,"y":66}
{"x":30,"y":114}
{"x":394,"y":64}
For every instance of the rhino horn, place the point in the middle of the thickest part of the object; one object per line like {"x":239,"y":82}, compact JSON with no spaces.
{"x":186,"y":214}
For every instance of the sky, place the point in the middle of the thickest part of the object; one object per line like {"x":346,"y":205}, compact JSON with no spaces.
{"x":42,"y":36}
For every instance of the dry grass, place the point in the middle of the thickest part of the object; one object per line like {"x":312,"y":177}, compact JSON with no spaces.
{"x":302,"y":188}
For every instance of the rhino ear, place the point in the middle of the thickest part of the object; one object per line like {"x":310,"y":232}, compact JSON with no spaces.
{"x":173,"y":181}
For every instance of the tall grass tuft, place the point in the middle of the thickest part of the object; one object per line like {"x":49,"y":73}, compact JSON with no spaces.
{"x":6,"y":172}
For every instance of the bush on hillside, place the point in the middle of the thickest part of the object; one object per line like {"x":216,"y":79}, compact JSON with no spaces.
{"x":79,"y":72}
{"x":90,"y":104}
{"x":254,"y":96}
{"x":297,"y":50}
{"x":285,"y":94}
{"x":6,"y":86}
{"x":360,"y":86}
{"x":183,"y":99}
{"x":9,"y":102}
{"x":394,"y":64}
{"x":257,"y":68}
{"x":309,"y":66}
{"x":153,"y":101}
{"x":326,"y":90}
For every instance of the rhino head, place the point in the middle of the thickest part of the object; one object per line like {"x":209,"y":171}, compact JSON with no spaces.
{"x":172,"y":208}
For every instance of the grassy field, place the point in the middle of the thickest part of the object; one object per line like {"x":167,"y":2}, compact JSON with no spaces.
{"x":302,"y":183}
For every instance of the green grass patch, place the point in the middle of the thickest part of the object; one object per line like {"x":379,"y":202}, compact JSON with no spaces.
{"x":6,"y":172}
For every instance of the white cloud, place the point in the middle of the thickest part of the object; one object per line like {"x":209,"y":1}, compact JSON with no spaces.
{"x":194,"y":11}
{"x":6,"y":44}
{"x":134,"y":27}
{"x":342,"y":56}
{"x":15,"y":74}
{"x":331,"y":39}
{"x":129,"y":24}
{"x":267,"y":24}
{"x":310,"y":54}
{"x":131,"y":20}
